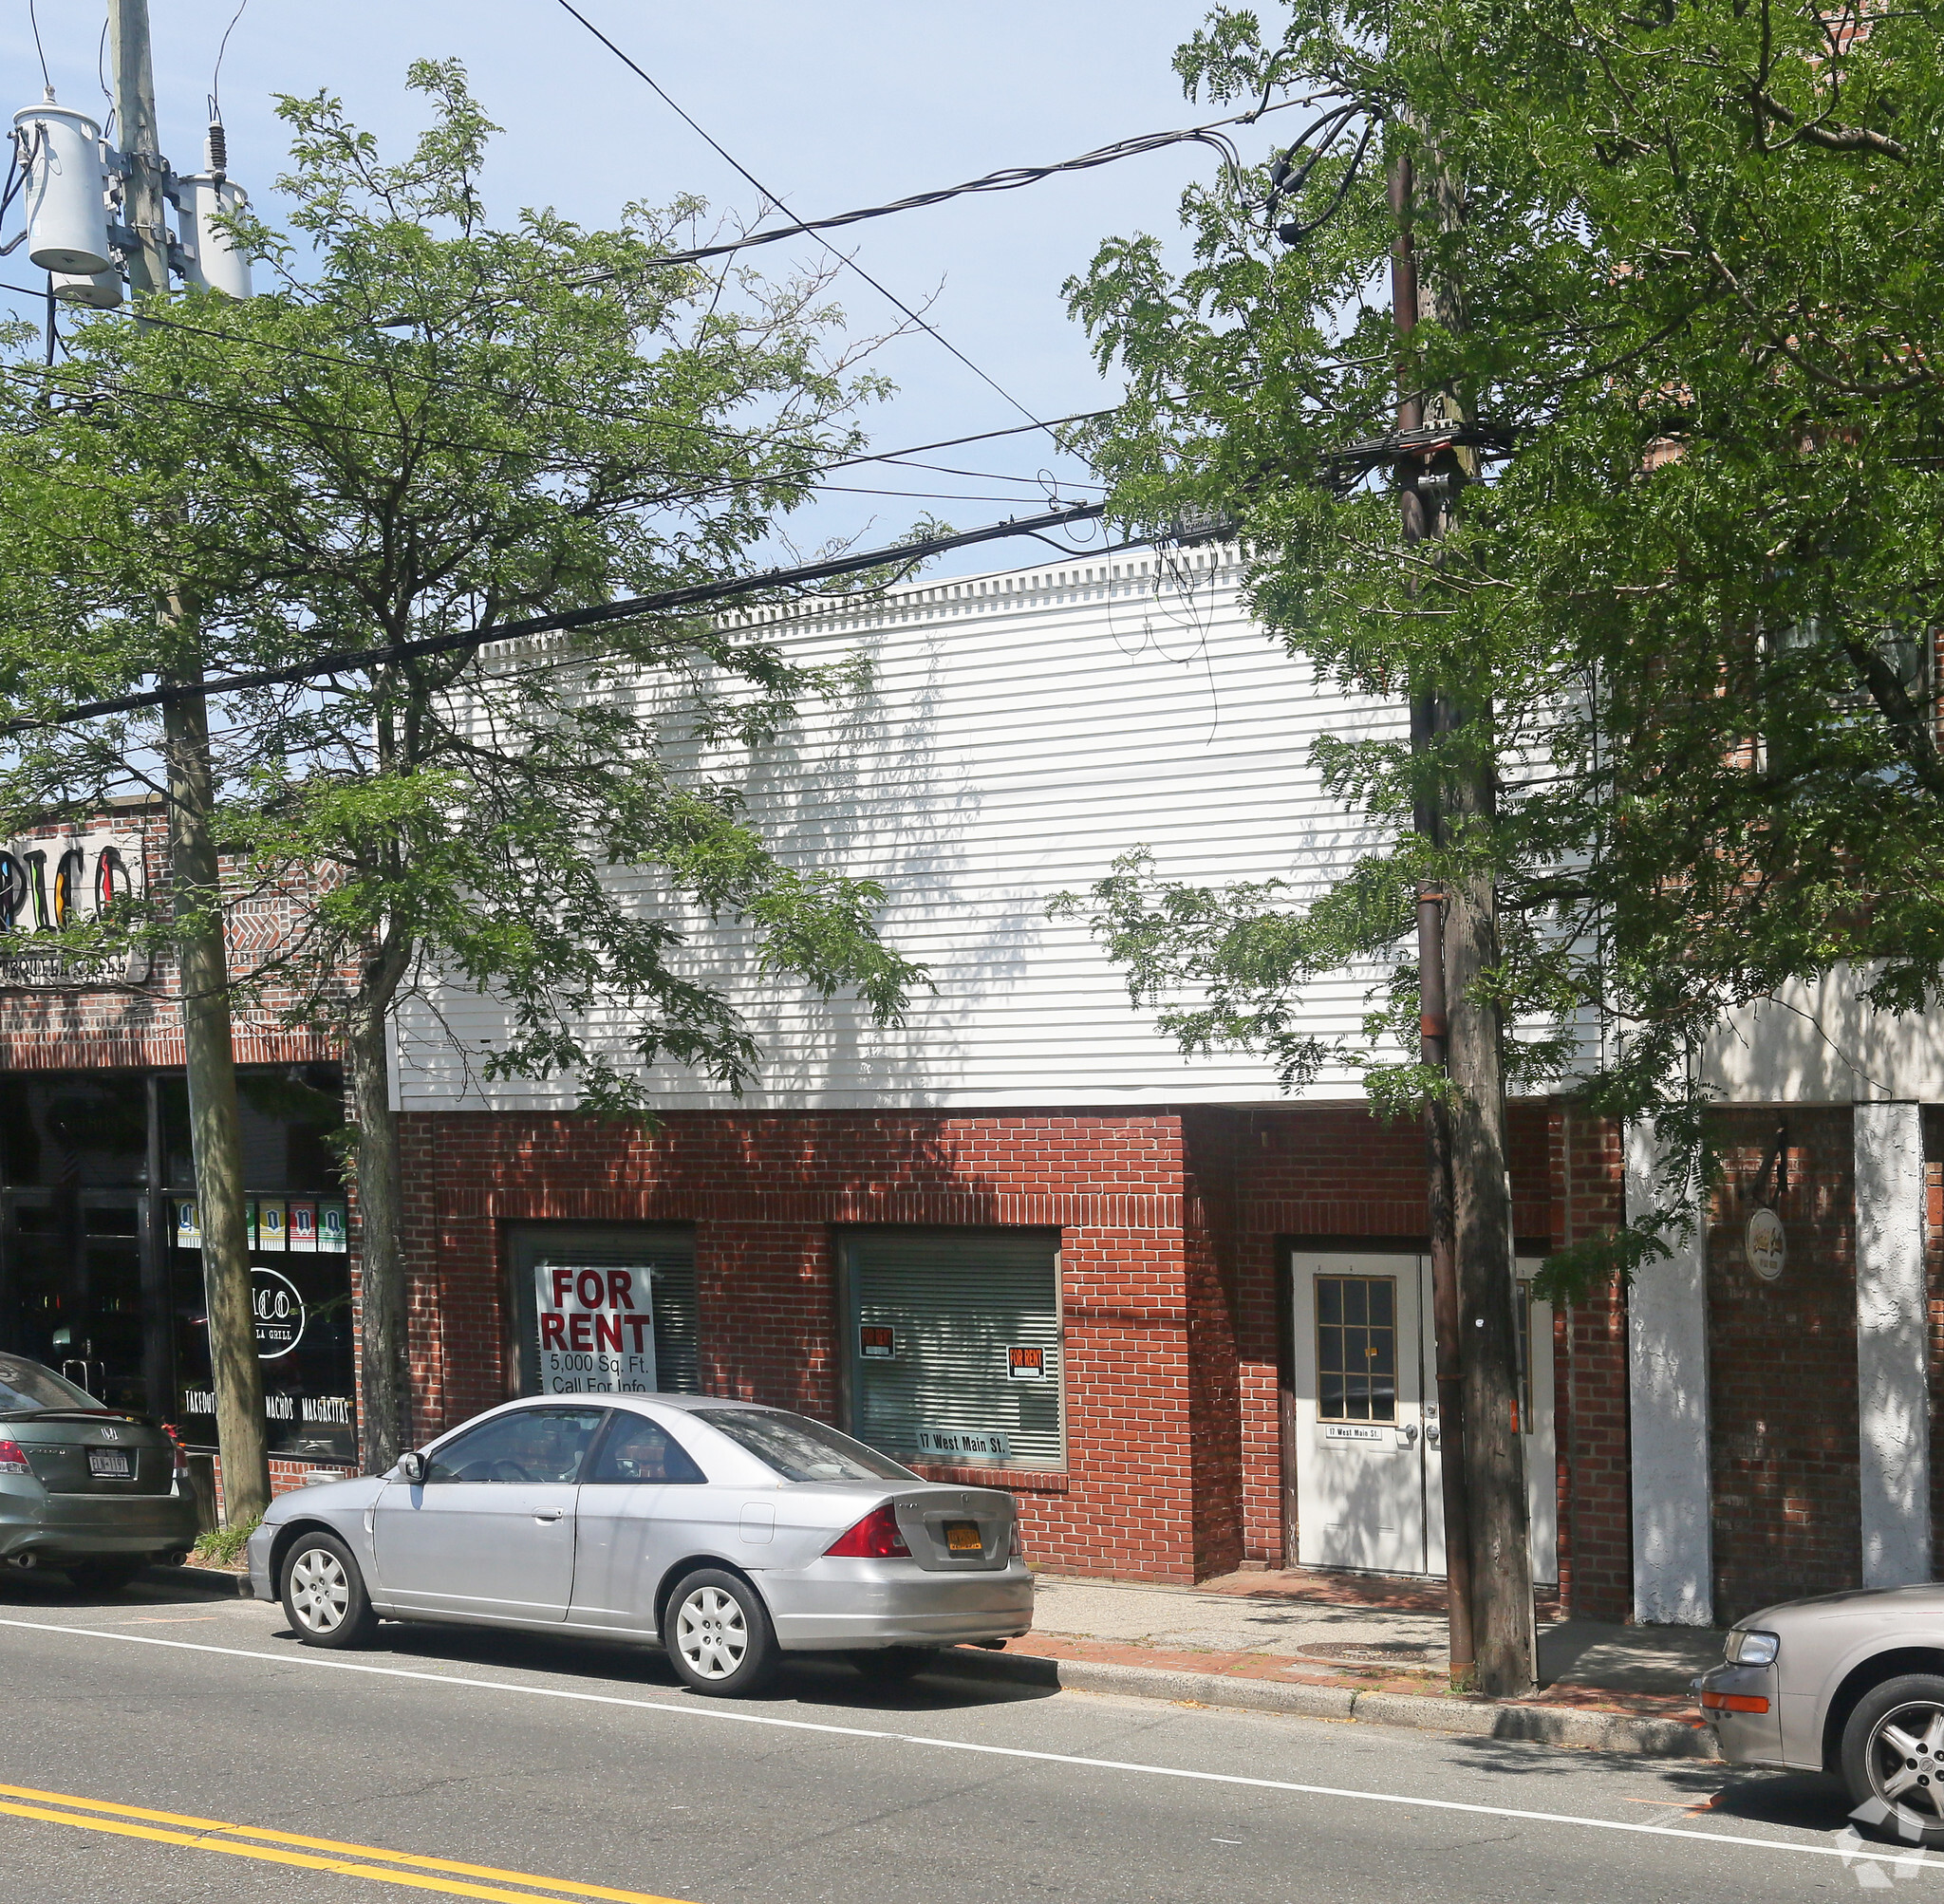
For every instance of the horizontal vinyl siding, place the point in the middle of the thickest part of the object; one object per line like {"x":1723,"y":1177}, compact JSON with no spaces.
{"x":1011,"y":746}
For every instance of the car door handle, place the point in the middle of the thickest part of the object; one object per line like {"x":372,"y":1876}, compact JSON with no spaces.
{"x":548,"y":1513}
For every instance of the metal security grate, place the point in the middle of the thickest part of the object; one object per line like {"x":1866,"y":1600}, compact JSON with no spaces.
{"x":955,"y":1348}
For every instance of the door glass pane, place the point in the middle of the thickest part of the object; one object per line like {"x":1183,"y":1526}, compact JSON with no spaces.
{"x":1356,"y":1362}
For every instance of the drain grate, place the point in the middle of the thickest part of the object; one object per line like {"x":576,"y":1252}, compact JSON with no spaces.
{"x":1373,"y":1652}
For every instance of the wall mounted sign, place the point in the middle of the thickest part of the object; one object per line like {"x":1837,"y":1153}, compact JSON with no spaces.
{"x":1026,"y":1364}
{"x":877,"y":1344}
{"x":51,"y":882}
{"x":1767,"y":1245}
{"x":1365,"y":1434}
{"x":270,"y":1224}
{"x":597,"y":1328}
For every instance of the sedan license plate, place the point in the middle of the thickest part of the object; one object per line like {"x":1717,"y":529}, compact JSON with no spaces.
{"x":962,"y":1536}
{"x":109,"y":1464}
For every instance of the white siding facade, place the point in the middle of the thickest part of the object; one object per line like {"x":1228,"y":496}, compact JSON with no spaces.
{"x":1021,"y":731}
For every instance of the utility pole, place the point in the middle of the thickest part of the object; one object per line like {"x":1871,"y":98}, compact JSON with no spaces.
{"x":1427,"y":721}
{"x":202,"y":959}
{"x":1469,"y":1200}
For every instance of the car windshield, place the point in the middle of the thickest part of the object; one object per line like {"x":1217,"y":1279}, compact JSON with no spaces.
{"x":801,"y":1450}
{"x":25,"y":1388}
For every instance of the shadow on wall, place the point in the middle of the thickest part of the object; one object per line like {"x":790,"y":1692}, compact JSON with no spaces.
{"x":860,"y":790}
{"x":1819,"y":1042}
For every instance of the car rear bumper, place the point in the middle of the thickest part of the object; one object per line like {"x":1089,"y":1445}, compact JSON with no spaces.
{"x":875,"y":1603}
{"x":51,"y":1525}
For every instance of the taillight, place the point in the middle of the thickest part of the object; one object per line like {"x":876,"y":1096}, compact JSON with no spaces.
{"x":181,"y":1453}
{"x":875,"y":1538}
{"x":1017,"y":1549}
{"x":11,"y":1459}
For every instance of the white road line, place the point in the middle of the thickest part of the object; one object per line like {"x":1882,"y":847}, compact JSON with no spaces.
{"x":677,"y":1706}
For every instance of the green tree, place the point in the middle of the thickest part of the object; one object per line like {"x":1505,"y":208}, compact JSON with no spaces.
{"x":433,"y":426}
{"x":1685,"y":341}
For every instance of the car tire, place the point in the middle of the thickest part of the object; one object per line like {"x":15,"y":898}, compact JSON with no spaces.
{"x":105,"y":1575}
{"x":1893,"y":1759}
{"x":324,"y":1594}
{"x":718,"y":1636}
{"x":894,"y":1665}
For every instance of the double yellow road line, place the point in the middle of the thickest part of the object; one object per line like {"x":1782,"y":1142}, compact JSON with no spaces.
{"x":444,"y":1874}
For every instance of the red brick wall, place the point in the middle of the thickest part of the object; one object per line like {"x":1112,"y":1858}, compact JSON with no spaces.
{"x":1783,"y":1368}
{"x":767,"y":1195}
{"x":1590,"y":1383}
{"x":136,"y":1026}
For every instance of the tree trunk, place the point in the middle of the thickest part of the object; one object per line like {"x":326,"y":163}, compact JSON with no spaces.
{"x":215,"y":1125}
{"x":386,"y":1418}
{"x":1502,"y":1616}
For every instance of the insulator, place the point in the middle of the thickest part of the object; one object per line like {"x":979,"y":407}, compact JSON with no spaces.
{"x":218,"y":148}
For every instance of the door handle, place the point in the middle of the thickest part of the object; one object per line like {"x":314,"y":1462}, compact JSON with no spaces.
{"x":548,"y":1513}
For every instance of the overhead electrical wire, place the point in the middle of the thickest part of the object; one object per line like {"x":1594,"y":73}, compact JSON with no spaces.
{"x":1008,"y":179}
{"x":775,"y":200}
{"x":627,"y":608}
{"x":340,"y":361}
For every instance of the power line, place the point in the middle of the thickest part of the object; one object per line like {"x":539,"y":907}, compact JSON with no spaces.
{"x":340,"y":361}
{"x":777,"y":201}
{"x":628,"y":608}
{"x":1009,"y":178}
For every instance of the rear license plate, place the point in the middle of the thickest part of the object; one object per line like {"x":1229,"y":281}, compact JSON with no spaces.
{"x":108,"y":1464}
{"x":962,"y":1536}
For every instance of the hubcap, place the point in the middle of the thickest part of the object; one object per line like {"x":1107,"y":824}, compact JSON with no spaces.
{"x":1904,"y":1754}
{"x":319,"y":1590}
{"x":711,"y":1633}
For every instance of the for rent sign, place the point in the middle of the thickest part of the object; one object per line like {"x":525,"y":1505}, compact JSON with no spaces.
{"x":597,"y":1328}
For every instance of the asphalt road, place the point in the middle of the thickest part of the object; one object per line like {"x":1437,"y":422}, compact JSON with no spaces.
{"x":448,"y":1762}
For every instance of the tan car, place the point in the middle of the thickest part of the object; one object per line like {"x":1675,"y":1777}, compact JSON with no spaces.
{"x":1845,"y":1683}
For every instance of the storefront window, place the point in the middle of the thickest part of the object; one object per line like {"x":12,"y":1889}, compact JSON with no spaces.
{"x":953,"y":1353}
{"x":100,"y":1258}
{"x":604,"y":1309}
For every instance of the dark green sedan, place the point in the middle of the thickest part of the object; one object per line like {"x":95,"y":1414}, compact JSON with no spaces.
{"x":96,"y":1491}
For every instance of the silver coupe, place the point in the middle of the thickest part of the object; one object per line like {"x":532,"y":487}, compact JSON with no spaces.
{"x":726,"y":1532}
{"x":1849,"y":1683}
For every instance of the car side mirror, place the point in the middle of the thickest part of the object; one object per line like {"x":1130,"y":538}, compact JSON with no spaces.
{"x":412,"y":1468}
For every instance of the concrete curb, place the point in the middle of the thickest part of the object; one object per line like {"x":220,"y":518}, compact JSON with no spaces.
{"x":1534,"y":1725}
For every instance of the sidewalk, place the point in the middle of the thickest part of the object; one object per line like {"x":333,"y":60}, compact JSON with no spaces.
{"x":1372,"y":1646}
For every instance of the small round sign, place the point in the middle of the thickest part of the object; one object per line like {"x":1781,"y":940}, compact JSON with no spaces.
{"x":279,"y":1310}
{"x":1767,"y":1245}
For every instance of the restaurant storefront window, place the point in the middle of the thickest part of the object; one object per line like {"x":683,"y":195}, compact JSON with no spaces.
{"x":101,"y":1257}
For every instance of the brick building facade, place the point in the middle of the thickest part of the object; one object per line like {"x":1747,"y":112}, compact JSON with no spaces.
{"x":1707,"y":1441}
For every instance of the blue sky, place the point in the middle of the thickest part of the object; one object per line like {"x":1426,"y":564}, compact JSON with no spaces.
{"x":836,"y":107}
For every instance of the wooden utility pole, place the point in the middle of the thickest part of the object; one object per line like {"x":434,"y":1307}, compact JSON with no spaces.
{"x":1469,"y":1202}
{"x":1426,"y":720}
{"x":202,"y":960}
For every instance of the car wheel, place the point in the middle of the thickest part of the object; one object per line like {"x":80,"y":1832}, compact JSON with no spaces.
{"x":104,"y":1576}
{"x":324,"y":1593}
{"x":893,"y":1665}
{"x":1893,"y":1758}
{"x":718,"y":1634}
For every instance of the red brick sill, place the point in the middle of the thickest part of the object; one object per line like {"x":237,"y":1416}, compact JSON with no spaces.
{"x":1015,"y":1480}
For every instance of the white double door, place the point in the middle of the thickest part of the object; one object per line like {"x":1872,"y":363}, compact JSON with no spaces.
{"x":1369,"y":1480}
